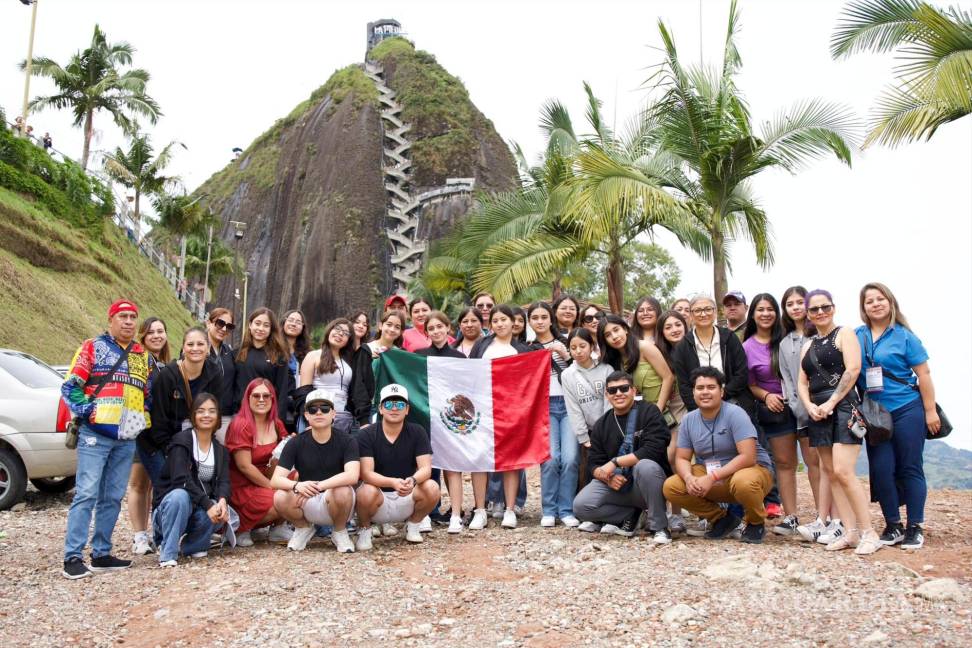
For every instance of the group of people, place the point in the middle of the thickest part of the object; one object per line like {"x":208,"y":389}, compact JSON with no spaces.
{"x":649,"y":417}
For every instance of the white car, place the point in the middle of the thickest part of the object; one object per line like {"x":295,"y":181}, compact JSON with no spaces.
{"x":32,"y":420}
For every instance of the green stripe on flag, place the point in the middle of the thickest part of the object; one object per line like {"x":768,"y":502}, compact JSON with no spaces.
{"x":411,"y":372}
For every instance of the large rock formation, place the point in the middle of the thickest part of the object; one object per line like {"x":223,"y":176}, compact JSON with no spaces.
{"x":330,"y":215}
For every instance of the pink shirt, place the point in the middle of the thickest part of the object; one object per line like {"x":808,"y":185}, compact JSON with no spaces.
{"x":413,"y":339}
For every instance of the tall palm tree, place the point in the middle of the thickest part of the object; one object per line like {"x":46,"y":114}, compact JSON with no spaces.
{"x":702,"y":121}
{"x":137,"y":169}
{"x":179,"y":218}
{"x":934,"y":78}
{"x":92,"y":81}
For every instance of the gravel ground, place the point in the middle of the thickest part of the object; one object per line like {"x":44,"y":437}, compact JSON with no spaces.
{"x":529,"y":587}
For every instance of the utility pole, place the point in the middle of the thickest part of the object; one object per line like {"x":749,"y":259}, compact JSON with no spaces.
{"x":209,"y":252}
{"x":30,"y":60}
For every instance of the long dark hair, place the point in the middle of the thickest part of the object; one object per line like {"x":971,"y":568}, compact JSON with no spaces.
{"x":354,"y":317}
{"x":165,"y":354}
{"x":521,"y":337}
{"x":776,"y":332}
{"x":275,"y":347}
{"x":302,"y":341}
{"x":626,"y":360}
{"x":655,"y":306}
{"x":557,"y":302}
{"x":788,"y":324}
{"x":327,"y":364}
{"x":661,"y":341}
{"x":542,"y":305}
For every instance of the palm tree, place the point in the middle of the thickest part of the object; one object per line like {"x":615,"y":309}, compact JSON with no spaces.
{"x":934,"y":79}
{"x":138,"y":170}
{"x":179,"y":218}
{"x":92,"y":81}
{"x":703,"y":123}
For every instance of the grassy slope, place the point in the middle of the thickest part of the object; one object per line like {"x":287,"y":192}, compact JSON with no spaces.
{"x":56,"y":283}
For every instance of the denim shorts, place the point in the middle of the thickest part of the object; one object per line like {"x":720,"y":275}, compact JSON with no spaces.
{"x":835,"y":428}
{"x":772,"y":430}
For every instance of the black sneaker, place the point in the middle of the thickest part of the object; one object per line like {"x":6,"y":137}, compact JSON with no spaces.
{"x":893,"y":534}
{"x":753,"y":534}
{"x":914,"y":538}
{"x":722,"y":527}
{"x":629,"y":526}
{"x":109,"y":563}
{"x":75,"y":569}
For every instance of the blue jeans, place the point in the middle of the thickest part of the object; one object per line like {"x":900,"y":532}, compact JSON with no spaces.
{"x":153,"y":463}
{"x":101,"y":479}
{"x":176,"y":516}
{"x":896,"y":468}
{"x":558,"y":476}
{"x":494,"y":489}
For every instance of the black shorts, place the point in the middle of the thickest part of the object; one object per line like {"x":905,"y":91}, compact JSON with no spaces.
{"x":835,"y":428}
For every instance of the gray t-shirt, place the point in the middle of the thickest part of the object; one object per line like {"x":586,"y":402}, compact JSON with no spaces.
{"x":715,"y":440}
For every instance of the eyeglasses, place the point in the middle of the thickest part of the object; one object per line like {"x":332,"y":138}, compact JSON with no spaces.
{"x":590,"y":318}
{"x":390,"y":405}
{"x":341,"y":332}
{"x":618,"y":388}
{"x":645,"y":311}
{"x":219,"y":322}
{"x":260,"y":396}
{"x":824,"y":308}
{"x":318,"y":409}
{"x":705,"y":310}
{"x":291,"y":320}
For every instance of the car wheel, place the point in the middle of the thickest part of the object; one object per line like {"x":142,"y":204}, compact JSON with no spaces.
{"x":13,"y":479}
{"x":53,"y":484}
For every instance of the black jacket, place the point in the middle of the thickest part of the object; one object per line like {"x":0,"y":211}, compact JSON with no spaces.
{"x":685,"y":359}
{"x":257,"y":365}
{"x":482,"y":344}
{"x":224,"y":361}
{"x":362,"y":389}
{"x":170,"y":406}
{"x":445,"y":352}
{"x":650,"y":441}
{"x":180,"y":471}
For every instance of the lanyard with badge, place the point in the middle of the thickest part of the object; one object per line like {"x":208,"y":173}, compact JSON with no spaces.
{"x":712,"y":464}
{"x":874,"y":374}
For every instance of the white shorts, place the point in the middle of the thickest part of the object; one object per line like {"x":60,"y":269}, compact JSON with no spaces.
{"x":315,"y":509}
{"x":394,"y":508}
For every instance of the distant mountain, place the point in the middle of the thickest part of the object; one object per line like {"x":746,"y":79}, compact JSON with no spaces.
{"x":945,"y":466}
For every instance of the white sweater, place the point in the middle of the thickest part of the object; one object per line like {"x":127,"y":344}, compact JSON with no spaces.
{"x":584,"y":397}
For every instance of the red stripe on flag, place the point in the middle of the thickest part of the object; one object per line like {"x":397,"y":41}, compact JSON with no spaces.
{"x":521,"y":410}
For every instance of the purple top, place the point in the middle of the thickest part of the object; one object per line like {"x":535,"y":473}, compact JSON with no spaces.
{"x":760,"y":369}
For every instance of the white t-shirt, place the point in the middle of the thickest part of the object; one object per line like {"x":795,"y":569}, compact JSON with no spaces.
{"x":338,"y":383}
{"x":498,"y":350}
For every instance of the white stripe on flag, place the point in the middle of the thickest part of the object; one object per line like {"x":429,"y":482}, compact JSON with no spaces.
{"x":453,"y":448}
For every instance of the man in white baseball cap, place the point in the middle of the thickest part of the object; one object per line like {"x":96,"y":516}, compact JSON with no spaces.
{"x":396,"y":470}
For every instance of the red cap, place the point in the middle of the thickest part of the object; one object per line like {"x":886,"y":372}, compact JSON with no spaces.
{"x":394,"y":298}
{"x":120,"y":306}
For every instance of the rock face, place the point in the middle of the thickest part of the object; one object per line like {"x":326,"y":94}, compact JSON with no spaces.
{"x":312,"y":189}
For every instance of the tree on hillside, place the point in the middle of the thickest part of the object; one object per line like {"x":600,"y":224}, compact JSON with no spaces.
{"x":934,"y":78}
{"x":93,"y":80}
{"x":137,"y":169}
{"x":703,"y":122}
{"x":179,"y":218}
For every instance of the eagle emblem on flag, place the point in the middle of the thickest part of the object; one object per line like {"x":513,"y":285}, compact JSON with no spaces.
{"x":460,"y":417}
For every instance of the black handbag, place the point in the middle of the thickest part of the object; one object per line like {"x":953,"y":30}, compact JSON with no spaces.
{"x":766,"y":416}
{"x":946,"y":427}
{"x":874,"y":416}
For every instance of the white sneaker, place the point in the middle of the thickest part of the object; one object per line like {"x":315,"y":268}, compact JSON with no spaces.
{"x":199,"y":554}
{"x":455,"y":524}
{"x":375,"y":531}
{"x":244,"y":539}
{"x":142,"y":544}
{"x":589,"y":527}
{"x":388,"y":530}
{"x":413,"y":532}
{"x":280,"y":534}
{"x":699,"y":530}
{"x":662,"y":537}
{"x":342,"y":541}
{"x":300,"y":537}
{"x":570,"y":522}
{"x":810,"y":532}
{"x":676,"y":523}
{"x":168,"y":563}
{"x":425,"y":525}
{"x":831,"y":532}
{"x":479,"y":520}
{"x":509,"y":520}
{"x":363,"y":542}
{"x":548,"y":521}
{"x":498,"y":510}
{"x":610,"y":528}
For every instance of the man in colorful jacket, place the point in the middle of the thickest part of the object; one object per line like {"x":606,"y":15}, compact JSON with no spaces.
{"x":109,"y":393}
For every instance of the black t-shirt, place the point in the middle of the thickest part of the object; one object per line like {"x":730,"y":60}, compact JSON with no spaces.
{"x":318,"y":461}
{"x":396,"y":460}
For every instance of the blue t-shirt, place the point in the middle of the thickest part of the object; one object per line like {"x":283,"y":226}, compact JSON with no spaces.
{"x":897,"y":350}
{"x":716,"y":439}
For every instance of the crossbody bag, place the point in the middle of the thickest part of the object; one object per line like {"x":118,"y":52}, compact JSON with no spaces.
{"x":74,"y":426}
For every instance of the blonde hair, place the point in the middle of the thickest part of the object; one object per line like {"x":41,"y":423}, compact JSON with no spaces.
{"x":897,"y":317}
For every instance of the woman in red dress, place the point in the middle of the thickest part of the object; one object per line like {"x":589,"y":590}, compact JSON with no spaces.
{"x":251,"y":438}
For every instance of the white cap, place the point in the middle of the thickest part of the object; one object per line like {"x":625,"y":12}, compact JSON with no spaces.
{"x":320,"y":395}
{"x":393,"y":390}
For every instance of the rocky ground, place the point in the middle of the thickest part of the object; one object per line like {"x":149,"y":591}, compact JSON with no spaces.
{"x":529,"y":587}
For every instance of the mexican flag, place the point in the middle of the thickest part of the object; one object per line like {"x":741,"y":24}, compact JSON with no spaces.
{"x":484,"y":415}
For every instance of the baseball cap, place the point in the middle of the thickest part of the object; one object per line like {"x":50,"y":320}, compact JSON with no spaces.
{"x":393,"y":391}
{"x":735,"y":294}
{"x":320,"y":395}
{"x":121,"y":306}
{"x":395,"y":298}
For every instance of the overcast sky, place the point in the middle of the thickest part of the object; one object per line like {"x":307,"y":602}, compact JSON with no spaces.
{"x":223,"y":71}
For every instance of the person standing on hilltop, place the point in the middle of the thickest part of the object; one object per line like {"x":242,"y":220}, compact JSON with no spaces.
{"x":108,"y":389}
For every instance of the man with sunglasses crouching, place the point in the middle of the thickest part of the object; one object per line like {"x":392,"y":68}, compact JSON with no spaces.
{"x":327,"y":465}
{"x":629,"y":449}
{"x":396,"y":470}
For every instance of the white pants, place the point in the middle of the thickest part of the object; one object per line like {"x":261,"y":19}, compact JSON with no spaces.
{"x":394,"y":508}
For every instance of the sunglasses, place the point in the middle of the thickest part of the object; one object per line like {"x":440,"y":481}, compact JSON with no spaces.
{"x":260,"y":397}
{"x":590,"y":318}
{"x":318,"y":409}
{"x":826,"y":308}
{"x":618,"y":388}
{"x":391,"y":405}
{"x":220,"y":323}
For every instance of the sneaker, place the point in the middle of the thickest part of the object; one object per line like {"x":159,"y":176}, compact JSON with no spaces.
{"x":455,"y":524}
{"x":300,"y":537}
{"x":869,"y":543}
{"x":753,"y":533}
{"x":736,"y":534}
{"x":479,"y":519}
{"x":244,"y":539}
{"x":75,"y":569}
{"x":199,"y":554}
{"x":142,"y":544}
{"x":570,"y":522}
{"x":774,"y":510}
{"x":498,"y":510}
{"x":363,"y":541}
{"x":261,"y":534}
{"x":425,"y":526}
{"x":787,"y":527}
{"x":662,"y":537}
{"x":842,"y":542}
{"x":342,"y":541}
{"x":676,"y":523}
{"x":589,"y":527}
{"x":699,"y":530}
{"x":509,"y":520}
{"x":630,"y":525}
{"x":831,"y":532}
{"x":388,"y":530}
{"x":914,"y":538}
{"x":281,"y":534}
{"x":610,"y":529}
{"x":548,"y":521}
{"x":168,"y":563}
{"x":519,"y":510}
{"x":109,"y":563}
{"x":723,"y":527}
{"x":413,"y":532}
{"x":810,"y":532}
{"x":323,"y":530}
{"x":893,"y":534}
